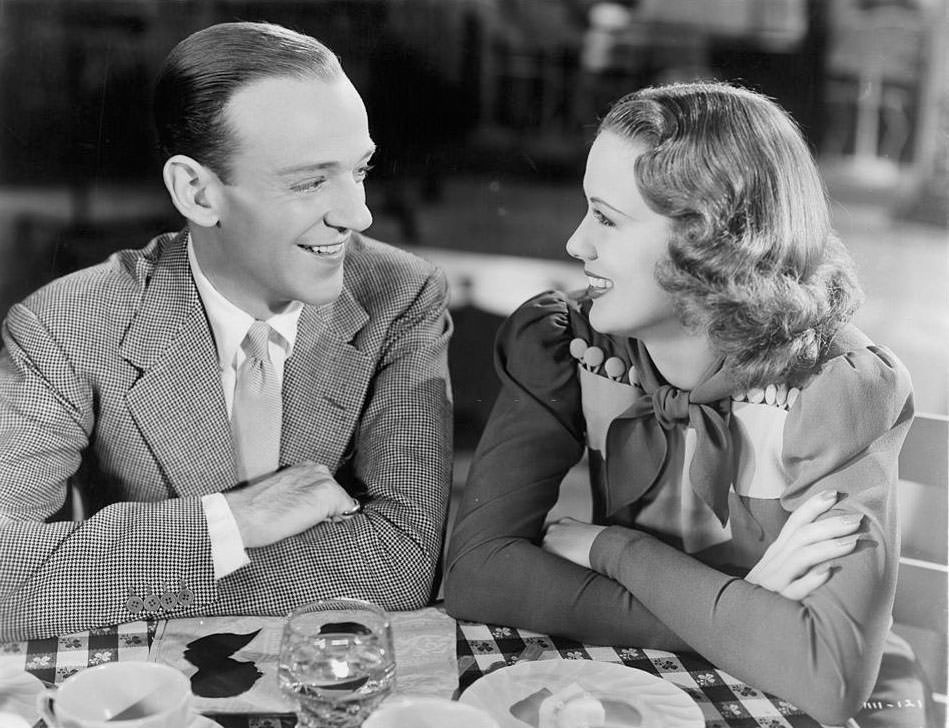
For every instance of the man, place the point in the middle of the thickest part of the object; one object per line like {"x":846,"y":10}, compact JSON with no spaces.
{"x":251,"y":422}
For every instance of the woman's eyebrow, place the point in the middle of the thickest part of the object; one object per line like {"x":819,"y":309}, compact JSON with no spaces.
{"x":600,"y":201}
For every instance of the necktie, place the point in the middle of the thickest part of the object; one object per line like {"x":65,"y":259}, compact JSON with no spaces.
{"x":636,"y":441}
{"x":257,"y":410}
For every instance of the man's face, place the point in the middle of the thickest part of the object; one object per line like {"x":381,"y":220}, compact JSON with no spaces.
{"x":294,"y":196}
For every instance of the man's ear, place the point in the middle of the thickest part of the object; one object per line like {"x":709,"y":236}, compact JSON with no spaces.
{"x":193,"y":189}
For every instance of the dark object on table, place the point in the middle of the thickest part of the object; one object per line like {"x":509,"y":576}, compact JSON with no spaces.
{"x":218,"y":675}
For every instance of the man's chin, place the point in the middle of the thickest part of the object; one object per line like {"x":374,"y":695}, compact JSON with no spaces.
{"x":322,"y":294}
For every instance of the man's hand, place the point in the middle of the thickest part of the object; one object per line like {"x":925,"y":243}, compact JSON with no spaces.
{"x":571,"y":539}
{"x":287,"y":503}
{"x":799,"y":560}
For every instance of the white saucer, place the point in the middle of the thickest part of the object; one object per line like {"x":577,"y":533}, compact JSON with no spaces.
{"x":202,"y":721}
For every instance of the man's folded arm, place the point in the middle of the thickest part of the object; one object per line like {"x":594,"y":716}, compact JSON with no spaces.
{"x":401,"y":467}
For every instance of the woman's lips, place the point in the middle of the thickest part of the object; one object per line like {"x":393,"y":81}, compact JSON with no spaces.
{"x":597,"y":286}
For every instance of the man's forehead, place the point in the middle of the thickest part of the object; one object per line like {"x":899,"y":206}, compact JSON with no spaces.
{"x":272,"y":96}
{"x":295,"y":122}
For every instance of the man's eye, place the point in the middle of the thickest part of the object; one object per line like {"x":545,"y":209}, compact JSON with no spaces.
{"x":601,"y":218}
{"x":362,"y":173}
{"x":309,"y":186}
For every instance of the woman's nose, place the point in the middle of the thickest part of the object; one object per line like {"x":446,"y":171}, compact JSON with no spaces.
{"x":579,"y":247}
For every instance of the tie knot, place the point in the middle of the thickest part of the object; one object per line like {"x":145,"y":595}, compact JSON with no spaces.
{"x":257,"y":340}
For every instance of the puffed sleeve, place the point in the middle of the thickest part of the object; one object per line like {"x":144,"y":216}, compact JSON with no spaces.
{"x":847,"y":426}
{"x":497,"y":572}
{"x":843,"y":433}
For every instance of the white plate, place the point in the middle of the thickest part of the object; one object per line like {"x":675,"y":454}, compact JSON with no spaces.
{"x":399,"y":711}
{"x":660,"y":703}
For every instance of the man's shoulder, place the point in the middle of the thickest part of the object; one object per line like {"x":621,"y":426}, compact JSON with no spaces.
{"x":103,"y":290}
{"x":375,"y":269}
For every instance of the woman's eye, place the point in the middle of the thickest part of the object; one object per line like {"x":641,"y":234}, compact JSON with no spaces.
{"x":363,"y":172}
{"x":601,"y":218}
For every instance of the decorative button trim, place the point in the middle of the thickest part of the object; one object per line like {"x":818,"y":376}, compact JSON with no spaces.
{"x":615,"y":368}
{"x":594,"y":359}
{"x":776,"y":395}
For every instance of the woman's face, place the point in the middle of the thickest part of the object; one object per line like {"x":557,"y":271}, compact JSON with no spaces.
{"x":620,"y":240}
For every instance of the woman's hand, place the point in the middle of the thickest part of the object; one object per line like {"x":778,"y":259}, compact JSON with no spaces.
{"x":571,"y":539}
{"x":799,"y":560}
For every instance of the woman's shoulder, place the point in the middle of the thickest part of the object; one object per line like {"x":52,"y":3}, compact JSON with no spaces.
{"x":857,"y":371}
{"x":544,"y":321}
{"x":553,"y":318}
{"x":861,"y":391}
{"x":535,"y":340}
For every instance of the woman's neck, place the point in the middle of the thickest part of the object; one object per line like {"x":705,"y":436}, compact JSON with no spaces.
{"x":683,"y":359}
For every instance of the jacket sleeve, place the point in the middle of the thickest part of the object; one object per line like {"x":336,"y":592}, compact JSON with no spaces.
{"x":62,"y":577}
{"x":497,"y":572}
{"x":822,"y":654}
{"x":400,"y":466}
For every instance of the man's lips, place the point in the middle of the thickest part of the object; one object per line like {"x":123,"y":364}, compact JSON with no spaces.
{"x":323,"y":250}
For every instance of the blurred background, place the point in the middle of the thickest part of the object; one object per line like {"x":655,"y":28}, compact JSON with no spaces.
{"x":483,"y":111}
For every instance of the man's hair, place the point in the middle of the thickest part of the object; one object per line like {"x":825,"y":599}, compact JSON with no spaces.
{"x":752,"y":259}
{"x":203,"y":72}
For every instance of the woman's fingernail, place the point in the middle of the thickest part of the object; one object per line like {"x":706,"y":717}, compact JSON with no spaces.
{"x":829,"y":496}
{"x":847,"y":542}
{"x":851,"y":519}
{"x":823,"y":568}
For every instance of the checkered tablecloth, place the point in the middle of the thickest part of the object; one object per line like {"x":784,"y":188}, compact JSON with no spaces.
{"x":725,"y":701}
{"x":53,"y":660}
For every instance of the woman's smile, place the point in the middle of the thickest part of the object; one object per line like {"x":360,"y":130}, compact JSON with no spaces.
{"x":597,"y":286}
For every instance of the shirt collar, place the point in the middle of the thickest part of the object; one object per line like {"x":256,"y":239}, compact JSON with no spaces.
{"x":229,"y":323}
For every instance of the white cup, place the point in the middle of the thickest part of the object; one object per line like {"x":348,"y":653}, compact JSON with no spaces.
{"x":426,"y":712}
{"x":119,"y":695}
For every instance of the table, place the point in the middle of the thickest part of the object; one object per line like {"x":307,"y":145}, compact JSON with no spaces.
{"x":725,"y":701}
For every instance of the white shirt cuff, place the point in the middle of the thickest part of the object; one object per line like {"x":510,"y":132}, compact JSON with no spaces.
{"x":227,"y":546}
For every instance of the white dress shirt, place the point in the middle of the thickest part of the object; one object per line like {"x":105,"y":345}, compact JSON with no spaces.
{"x":229,"y":326}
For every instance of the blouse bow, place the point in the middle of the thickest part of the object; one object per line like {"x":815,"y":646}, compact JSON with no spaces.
{"x":637,"y":441}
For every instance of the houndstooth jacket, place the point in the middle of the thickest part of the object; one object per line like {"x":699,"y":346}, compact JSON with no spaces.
{"x":109,"y":381}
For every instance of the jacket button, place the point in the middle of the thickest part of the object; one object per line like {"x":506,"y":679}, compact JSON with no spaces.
{"x":185,"y":597}
{"x":134,"y":603}
{"x":169,"y":600}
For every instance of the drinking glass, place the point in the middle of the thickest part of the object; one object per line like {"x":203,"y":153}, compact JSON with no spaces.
{"x":336,"y":662}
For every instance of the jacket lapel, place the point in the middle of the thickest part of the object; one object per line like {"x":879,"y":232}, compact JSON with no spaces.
{"x":325,"y":381}
{"x":177,"y":402}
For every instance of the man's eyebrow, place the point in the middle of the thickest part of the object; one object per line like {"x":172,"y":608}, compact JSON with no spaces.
{"x":320,"y":166}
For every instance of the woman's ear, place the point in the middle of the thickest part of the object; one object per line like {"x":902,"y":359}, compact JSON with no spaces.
{"x":193,"y":189}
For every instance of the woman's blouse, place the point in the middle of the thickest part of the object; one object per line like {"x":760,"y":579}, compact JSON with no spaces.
{"x":693,"y":487}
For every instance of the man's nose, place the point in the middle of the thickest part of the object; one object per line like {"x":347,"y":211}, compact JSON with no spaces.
{"x":349,"y":210}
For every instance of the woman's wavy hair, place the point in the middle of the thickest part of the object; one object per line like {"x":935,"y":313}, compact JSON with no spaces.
{"x":203,"y":72}
{"x":752,"y":260}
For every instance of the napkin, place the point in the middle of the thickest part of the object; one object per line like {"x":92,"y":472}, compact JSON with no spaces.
{"x":232,"y":661}
{"x":18,"y":691}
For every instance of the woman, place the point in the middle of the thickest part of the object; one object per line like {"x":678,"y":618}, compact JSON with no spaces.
{"x":711,"y":372}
